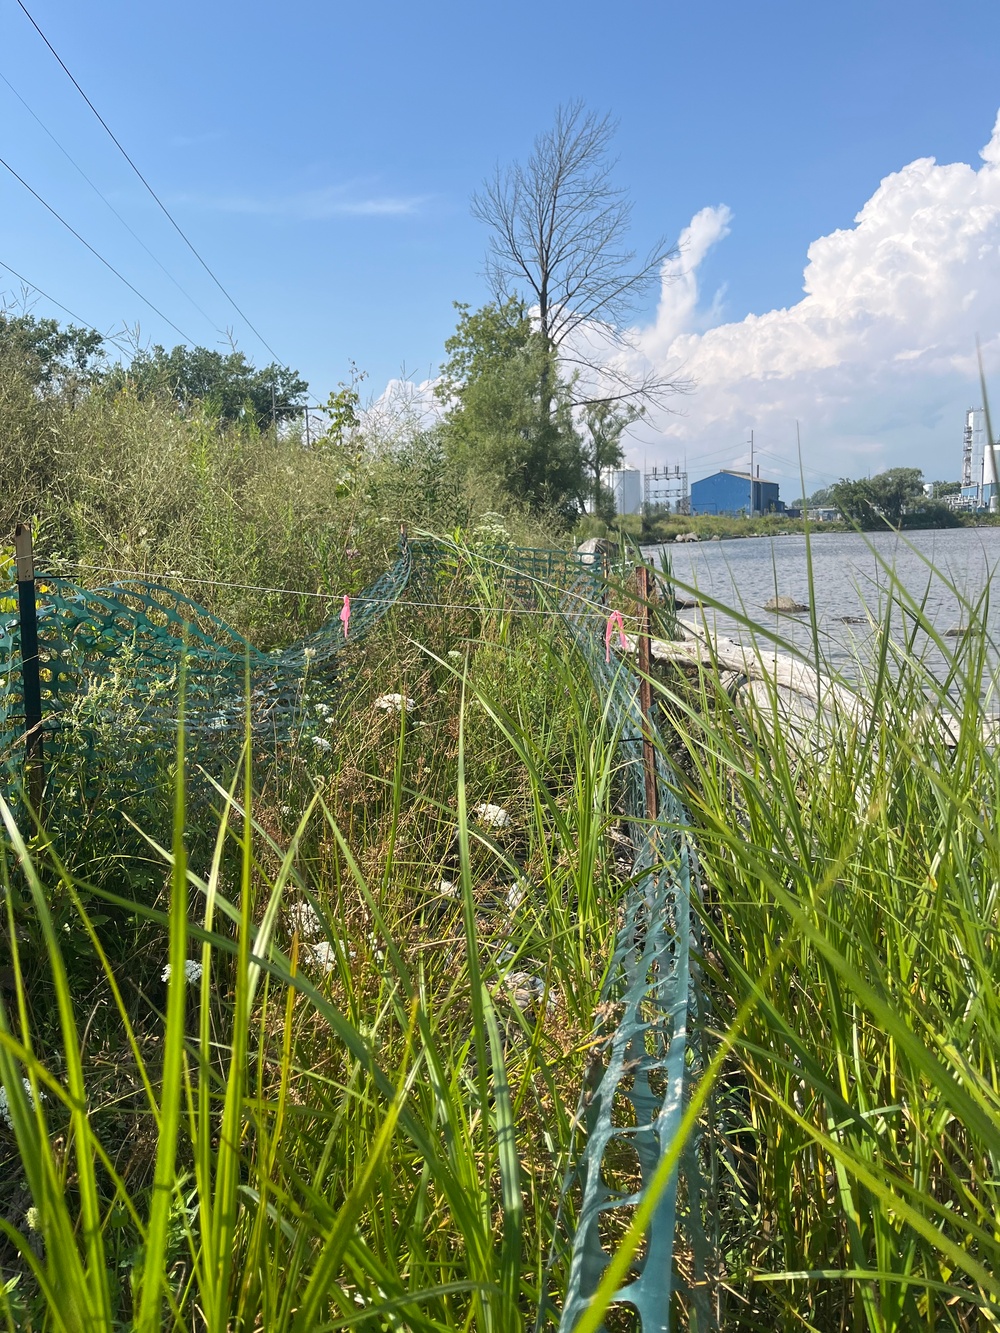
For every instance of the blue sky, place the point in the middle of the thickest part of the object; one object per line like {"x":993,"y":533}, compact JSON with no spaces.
{"x":321,"y":158}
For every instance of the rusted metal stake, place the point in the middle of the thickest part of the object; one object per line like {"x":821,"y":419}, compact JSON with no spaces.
{"x":31,"y":685}
{"x":646,"y":692}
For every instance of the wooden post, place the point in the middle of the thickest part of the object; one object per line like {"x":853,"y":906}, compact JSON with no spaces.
{"x":31,"y":685}
{"x":646,"y":692}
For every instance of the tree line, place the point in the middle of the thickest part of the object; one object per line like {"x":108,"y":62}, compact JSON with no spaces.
{"x":532,"y":392}
{"x":893,"y":498}
{"x":71,"y":360}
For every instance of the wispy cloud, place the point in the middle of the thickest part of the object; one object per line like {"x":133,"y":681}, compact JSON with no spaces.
{"x":331,"y":201}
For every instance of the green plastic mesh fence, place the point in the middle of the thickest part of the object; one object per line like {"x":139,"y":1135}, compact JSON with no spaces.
{"x":635,"y":1098}
{"x":635,"y":1095}
{"x":102,"y":648}
{"x":110,"y":661}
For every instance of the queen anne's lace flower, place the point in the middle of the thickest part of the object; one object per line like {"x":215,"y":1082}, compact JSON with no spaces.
{"x":322,"y":955}
{"x":493,"y":815}
{"x":192,"y":971}
{"x":302,"y":917}
{"x":5,"y":1114}
{"x":321,"y":743}
{"x":394,"y":703}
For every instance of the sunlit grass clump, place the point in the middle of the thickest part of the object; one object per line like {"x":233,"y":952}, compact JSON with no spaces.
{"x":354,"y":1098}
{"x":851,"y":867}
{"x":336,"y":1079}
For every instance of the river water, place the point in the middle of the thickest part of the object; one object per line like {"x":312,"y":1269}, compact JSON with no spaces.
{"x":852,"y":575}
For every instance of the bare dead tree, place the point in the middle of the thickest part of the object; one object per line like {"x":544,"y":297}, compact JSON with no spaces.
{"x":559,"y":229}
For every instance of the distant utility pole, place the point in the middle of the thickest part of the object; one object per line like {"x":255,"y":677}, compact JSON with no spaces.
{"x":752,"y":506}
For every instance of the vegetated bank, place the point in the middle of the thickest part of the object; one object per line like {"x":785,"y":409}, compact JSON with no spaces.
{"x":342,"y":1152}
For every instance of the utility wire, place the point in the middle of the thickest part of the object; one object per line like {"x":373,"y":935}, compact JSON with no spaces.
{"x":358,"y":600}
{"x":96,"y":253}
{"x":166,"y":212}
{"x":826,"y":476}
{"x":73,"y":162}
{"x":65,"y":309}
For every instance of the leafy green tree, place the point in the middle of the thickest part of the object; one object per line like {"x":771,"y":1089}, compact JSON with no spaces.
{"x":50,"y":356}
{"x":508,"y":413}
{"x":228,"y":383}
{"x":895,"y":491}
{"x":882,"y":500}
{"x":854,"y":500}
{"x":606,"y":423}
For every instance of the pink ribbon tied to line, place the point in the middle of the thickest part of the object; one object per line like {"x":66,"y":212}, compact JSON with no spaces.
{"x":345,"y":614}
{"x":614,"y":619}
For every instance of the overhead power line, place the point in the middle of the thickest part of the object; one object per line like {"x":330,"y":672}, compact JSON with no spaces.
{"x":96,"y":253}
{"x":166,"y":212}
{"x":103,"y":197}
{"x":826,"y":476}
{"x":65,"y":309}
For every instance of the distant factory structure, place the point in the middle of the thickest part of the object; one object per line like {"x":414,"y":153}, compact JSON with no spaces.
{"x":660,"y":489}
{"x":979,"y":480}
{"x":734,"y":494}
{"x":666,"y":489}
{"x":625,"y":484}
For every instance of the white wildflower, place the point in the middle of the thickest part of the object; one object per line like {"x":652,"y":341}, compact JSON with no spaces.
{"x":302,"y":917}
{"x":447,"y":889}
{"x":286,"y":809}
{"x":308,"y":654}
{"x":5,"y":1114}
{"x":493,"y":815}
{"x":321,"y":743}
{"x":394,"y":703}
{"x":32,"y":1219}
{"x":322,"y":955}
{"x":454,"y":653}
{"x":192,"y":971}
{"x":324,"y":710}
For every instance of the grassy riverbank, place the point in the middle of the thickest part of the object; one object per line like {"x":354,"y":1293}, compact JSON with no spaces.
{"x":850,"y":871}
{"x":360,"y":1108}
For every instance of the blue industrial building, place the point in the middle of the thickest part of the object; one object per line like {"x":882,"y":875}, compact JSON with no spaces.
{"x":734,"y":493}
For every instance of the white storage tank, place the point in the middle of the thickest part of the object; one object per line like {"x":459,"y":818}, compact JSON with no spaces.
{"x":626,"y":483}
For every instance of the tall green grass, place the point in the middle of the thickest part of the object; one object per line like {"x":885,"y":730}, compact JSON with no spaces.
{"x":354,"y":1120}
{"x":852,"y":862}
{"x":360,"y":1114}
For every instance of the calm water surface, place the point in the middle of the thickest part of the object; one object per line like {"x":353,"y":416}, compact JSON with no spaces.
{"x":850,"y":582}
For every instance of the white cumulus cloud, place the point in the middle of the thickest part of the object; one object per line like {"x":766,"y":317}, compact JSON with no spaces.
{"x":876,"y":361}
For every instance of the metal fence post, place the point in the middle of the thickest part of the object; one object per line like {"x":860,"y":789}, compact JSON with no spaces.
{"x":646,"y":692}
{"x":31,"y":685}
